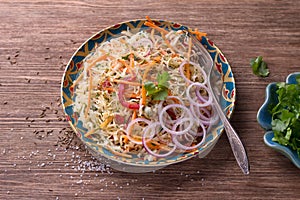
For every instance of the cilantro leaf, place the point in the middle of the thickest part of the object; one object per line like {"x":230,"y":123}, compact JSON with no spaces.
{"x":259,"y":67}
{"x":286,"y":116}
{"x":159,"y":91}
{"x":163,"y":79}
{"x":126,"y":57}
{"x":161,"y":95}
{"x":150,"y":87}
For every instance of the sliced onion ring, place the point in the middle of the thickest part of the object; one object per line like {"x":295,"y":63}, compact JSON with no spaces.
{"x":146,"y":139}
{"x":184,"y":147}
{"x":128,"y":129}
{"x":179,"y":124}
{"x":190,"y":116}
{"x":194,"y":102}
{"x":211,"y":120}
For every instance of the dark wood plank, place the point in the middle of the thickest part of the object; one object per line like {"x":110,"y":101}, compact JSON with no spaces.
{"x":37,"y":39}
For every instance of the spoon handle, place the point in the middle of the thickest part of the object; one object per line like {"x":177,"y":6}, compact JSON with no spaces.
{"x":236,"y":144}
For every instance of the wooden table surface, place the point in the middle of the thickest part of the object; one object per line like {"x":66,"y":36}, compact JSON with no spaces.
{"x":41,"y":159}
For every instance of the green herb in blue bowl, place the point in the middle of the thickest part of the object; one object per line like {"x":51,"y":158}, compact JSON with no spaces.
{"x":280,"y":116}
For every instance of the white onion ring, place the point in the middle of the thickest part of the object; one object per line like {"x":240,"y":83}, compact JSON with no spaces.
{"x":152,"y":134}
{"x":161,"y":119}
{"x":131,"y":124}
{"x":181,"y":146}
{"x":149,"y":127}
{"x":200,"y":117}
{"x":160,"y":106}
{"x":178,"y":124}
{"x":200,"y":97}
{"x":192,"y":101}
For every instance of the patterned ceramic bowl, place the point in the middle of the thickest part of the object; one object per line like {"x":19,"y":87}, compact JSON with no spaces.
{"x":135,"y":164}
{"x":264,"y":118}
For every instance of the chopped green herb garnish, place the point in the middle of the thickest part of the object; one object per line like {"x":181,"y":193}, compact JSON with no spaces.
{"x":286,"y":116}
{"x":259,"y":67}
{"x":159,"y":91}
{"x":126,"y":57}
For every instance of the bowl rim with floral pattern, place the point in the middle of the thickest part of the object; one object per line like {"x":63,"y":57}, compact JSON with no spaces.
{"x":221,"y":65}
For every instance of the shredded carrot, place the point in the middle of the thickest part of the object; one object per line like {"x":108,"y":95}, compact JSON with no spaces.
{"x":168,"y":43}
{"x":187,"y":71}
{"x":104,"y":124}
{"x":176,"y":100}
{"x":122,"y":40}
{"x":144,"y":95}
{"x":153,"y":144}
{"x":131,"y":61}
{"x":115,"y":64}
{"x":163,"y":32}
{"x":134,"y":115}
{"x":198,"y":33}
{"x":157,"y":59}
{"x":152,"y":25}
{"x":89,"y":133}
{"x":149,"y":19}
{"x":174,"y":55}
{"x":89,"y":96}
{"x":126,"y":65}
{"x":144,"y":91}
{"x":189,"y":49}
{"x":125,"y":138}
{"x":133,"y":95}
{"x":135,"y":137}
{"x":187,"y":66}
{"x":144,"y":65}
{"x":126,"y":82}
{"x":103,"y":57}
{"x":109,"y":89}
{"x":77,"y":80}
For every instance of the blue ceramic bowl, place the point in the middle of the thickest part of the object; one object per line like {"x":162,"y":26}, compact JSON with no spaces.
{"x":264,"y":118}
{"x":135,"y":164}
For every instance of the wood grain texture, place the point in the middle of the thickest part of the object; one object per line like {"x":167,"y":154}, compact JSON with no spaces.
{"x":37,"y":38}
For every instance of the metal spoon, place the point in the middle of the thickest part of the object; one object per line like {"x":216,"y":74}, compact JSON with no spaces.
{"x":236,"y":144}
